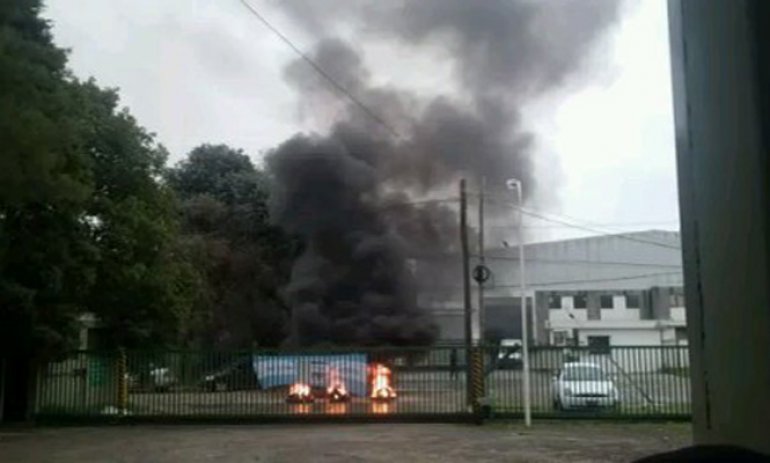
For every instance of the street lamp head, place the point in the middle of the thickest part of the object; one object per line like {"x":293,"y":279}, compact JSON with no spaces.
{"x":512,"y":184}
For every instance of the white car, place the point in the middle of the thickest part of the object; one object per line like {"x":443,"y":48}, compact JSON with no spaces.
{"x":583,"y":385}
{"x":162,"y":379}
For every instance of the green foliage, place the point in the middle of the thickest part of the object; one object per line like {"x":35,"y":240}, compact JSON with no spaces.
{"x":246,"y":259}
{"x":45,"y":254}
{"x":86,"y":224}
{"x":42,"y":159}
{"x":144,"y":283}
{"x":89,"y":222}
{"x":46,"y":270}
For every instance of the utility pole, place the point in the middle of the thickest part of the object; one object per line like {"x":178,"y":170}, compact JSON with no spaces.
{"x":466,"y":287}
{"x":480,"y":274}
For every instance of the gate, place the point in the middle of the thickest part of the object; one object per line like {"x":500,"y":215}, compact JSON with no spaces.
{"x":425,"y":383}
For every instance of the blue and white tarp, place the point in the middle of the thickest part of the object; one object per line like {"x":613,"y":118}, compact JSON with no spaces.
{"x":314,"y":370}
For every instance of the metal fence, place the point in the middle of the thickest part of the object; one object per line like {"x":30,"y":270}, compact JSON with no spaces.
{"x":425,"y":383}
{"x":631,"y":382}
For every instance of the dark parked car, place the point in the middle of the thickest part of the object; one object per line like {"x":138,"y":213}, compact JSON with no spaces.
{"x":151,"y":378}
{"x":238,"y":375}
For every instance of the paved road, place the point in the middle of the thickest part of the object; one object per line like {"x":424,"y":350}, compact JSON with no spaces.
{"x":445,"y":443}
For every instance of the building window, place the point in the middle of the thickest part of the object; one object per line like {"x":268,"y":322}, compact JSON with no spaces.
{"x":554,"y":301}
{"x":606,"y":302}
{"x":580,"y":301}
{"x":632,"y":301}
{"x":676,"y":297}
{"x":599,"y":344}
{"x":560,"y":338}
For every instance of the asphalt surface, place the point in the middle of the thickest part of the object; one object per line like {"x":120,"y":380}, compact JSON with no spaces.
{"x":549,"y":441}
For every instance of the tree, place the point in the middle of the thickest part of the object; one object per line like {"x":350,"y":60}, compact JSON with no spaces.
{"x":246,"y":259}
{"x":42,"y":158}
{"x":86,"y":223}
{"x":45,"y":255}
{"x":46,"y":258}
{"x":144,"y":281}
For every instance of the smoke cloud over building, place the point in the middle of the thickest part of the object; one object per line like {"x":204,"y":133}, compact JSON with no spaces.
{"x":350,"y":193}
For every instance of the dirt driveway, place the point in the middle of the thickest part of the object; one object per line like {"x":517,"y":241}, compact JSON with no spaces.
{"x":547,"y":442}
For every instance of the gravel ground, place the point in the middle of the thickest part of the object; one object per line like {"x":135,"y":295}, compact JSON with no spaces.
{"x":576,"y":441}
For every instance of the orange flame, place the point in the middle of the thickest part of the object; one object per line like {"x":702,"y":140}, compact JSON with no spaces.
{"x":381,"y":408}
{"x":381,"y":383}
{"x":299,"y":391}
{"x":336,"y":391}
{"x":336,"y":408}
{"x":301,"y":409}
{"x":336,"y":385}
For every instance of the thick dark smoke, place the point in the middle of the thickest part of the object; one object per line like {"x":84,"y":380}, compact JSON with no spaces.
{"x":352,"y":284}
{"x":350,"y":193}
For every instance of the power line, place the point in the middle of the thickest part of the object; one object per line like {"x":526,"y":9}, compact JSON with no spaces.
{"x":369,"y":112}
{"x":584,"y":262}
{"x":420,"y":202}
{"x":618,"y":224}
{"x":568,"y":282}
{"x":608,"y":225}
{"x":595,"y":280}
{"x":597,"y":231}
{"x":541,"y":215}
{"x":601,"y":232}
{"x":506,"y":201}
{"x":450,"y":256}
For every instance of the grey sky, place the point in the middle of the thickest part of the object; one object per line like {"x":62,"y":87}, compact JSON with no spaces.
{"x":197,"y":71}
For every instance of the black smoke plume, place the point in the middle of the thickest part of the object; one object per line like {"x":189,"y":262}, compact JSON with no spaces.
{"x":350,"y":193}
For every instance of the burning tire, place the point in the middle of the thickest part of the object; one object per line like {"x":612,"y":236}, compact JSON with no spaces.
{"x":384,"y":395}
{"x":299,"y":394}
{"x":336,"y":391}
{"x":338,"y":394}
{"x":382,"y":390}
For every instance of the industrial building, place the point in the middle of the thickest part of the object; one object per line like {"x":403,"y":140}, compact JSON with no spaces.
{"x":622,"y":289}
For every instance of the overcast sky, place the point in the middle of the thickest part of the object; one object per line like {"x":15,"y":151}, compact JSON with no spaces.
{"x":196,"y":71}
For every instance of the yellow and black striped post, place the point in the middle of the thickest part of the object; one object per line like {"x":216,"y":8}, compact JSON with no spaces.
{"x":122,"y":381}
{"x":476,"y":389}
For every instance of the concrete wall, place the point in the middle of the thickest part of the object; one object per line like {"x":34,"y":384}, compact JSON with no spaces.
{"x":721,"y":75}
{"x":645,"y":260}
{"x":619,"y":310}
{"x":623,"y":337}
{"x":586,"y":264}
{"x":569,"y":313}
{"x":678,"y":314}
{"x":631,"y":326}
{"x":619,"y":361}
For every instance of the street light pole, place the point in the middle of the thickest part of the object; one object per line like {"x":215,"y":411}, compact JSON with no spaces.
{"x":466,"y":272}
{"x":514,"y":184}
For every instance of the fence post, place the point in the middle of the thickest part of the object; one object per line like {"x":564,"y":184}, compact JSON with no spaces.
{"x":122,"y":389}
{"x":38,"y":387}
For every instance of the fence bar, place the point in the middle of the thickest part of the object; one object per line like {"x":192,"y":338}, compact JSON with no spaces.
{"x":635,"y":382}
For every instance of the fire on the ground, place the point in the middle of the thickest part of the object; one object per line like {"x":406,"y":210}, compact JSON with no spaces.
{"x":299,"y":393}
{"x":381,"y":387}
{"x":382,"y":384}
{"x":336,"y":391}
